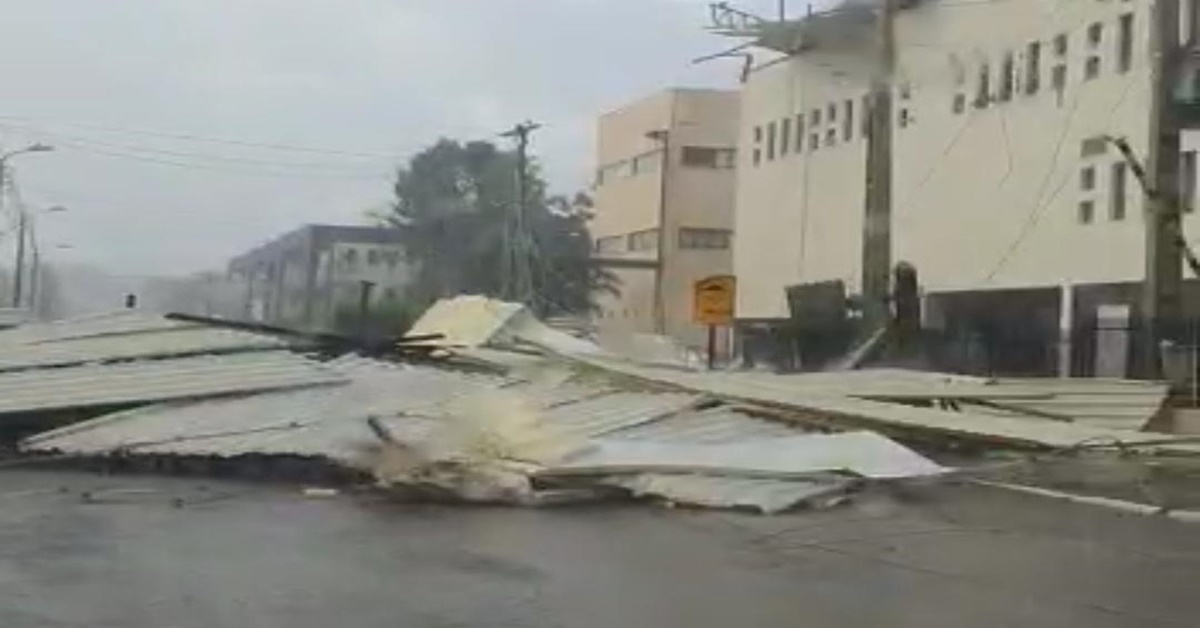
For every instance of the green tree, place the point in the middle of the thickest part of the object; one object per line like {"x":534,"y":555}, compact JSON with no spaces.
{"x":453,"y":202}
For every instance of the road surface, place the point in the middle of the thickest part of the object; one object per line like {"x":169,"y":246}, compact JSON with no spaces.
{"x":140,"y":552}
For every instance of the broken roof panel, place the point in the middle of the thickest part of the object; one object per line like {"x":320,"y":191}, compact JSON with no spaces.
{"x":92,"y":325}
{"x":143,"y":344}
{"x":158,"y":380}
{"x":764,"y":495}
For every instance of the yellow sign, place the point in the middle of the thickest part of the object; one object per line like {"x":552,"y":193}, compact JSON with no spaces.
{"x":712,"y":300}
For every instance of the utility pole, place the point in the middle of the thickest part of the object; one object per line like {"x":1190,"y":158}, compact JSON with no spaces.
{"x":1161,"y":299}
{"x":19,"y":266}
{"x":517,"y":274}
{"x":877,"y":219}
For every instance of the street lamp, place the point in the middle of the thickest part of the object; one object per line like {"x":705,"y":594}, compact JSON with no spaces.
{"x":663,"y":138}
{"x":19,"y":267}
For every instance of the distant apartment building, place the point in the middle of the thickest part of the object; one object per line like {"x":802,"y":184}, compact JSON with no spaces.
{"x":663,"y":215}
{"x":306,"y":277}
{"x":1021,"y":219}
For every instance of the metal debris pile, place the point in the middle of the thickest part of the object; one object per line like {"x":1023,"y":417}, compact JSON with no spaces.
{"x":552,"y":418}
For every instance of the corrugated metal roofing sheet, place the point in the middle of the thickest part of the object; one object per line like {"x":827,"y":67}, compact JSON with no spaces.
{"x":109,"y":323}
{"x":145,"y":344}
{"x":765,"y":495}
{"x":158,"y":380}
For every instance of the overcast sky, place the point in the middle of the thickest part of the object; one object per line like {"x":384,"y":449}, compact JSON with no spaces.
{"x":367,"y":82}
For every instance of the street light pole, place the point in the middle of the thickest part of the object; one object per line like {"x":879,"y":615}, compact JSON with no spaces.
{"x":663,"y":137}
{"x":19,"y":266}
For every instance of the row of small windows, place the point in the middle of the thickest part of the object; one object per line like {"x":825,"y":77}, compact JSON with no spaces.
{"x":375,"y":257}
{"x":1118,"y":188}
{"x":822,"y":126}
{"x":718,"y":158}
{"x":1008,"y":79}
{"x":647,"y":240}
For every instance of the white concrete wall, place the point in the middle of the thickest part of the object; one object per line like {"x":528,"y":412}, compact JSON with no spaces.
{"x":986,"y":198}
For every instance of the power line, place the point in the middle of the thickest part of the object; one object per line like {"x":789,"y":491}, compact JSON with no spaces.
{"x":77,"y":140}
{"x":199,"y":138}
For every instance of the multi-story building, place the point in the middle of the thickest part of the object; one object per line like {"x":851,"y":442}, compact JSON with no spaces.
{"x":663,"y":197}
{"x":1021,"y":219}
{"x":310,"y":275}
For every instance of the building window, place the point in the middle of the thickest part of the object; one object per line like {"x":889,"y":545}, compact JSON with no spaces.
{"x":1008,"y":68}
{"x":1116,"y":191}
{"x":1125,"y":43}
{"x":705,"y":157}
{"x":758,"y":135}
{"x":350,"y":259}
{"x":905,"y":117}
{"x":814,"y":118}
{"x":1058,"y":81}
{"x":832,"y":112}
{"x":372,"y":257}
{"x":770,"y":141}
{"x":984,"y":92}
{"x":848,"y":120}
{"x":756,"y":155}
{"x":695,"y":238}
{"x":1060,"y":44}
{"x":1033,"y":68}
{"x":610,"y":244}
{"x":645,"y":240}
{"x":1095,"y":33}
{"x":647,"y":162}
{"x":1187,"y":180}
{"x":960,"y":103}
{"x":1091,"y":69}
{"x":1087,"y":212}
{"x":1093,"y":146}
{"x":785,"y":136}
{"x":831,"y":137}
{"x":1087,"y":178}
{"x":799,"y":133}
{"x":814,"y":141}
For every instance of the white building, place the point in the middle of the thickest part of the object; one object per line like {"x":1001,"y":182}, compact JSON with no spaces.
{"x":1006,"y":197}
{"x":310,"y":276}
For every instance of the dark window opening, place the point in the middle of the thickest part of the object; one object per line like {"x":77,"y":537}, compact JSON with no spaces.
{"x":770,"y":141}
{"x":1007,"y":69}
{"x":848,"y":120}
{"x":1033,"y":68}
{"x":1125,"y":43}
{"x":984,"y":92}
{"x":1116,"y":184}
{"x":785,"y":136}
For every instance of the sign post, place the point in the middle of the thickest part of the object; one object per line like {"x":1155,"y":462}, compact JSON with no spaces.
{"x":712,"y":306}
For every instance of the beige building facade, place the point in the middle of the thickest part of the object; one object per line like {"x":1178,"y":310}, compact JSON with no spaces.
{"x":1003,"y":180}
{"x":663,"y":216}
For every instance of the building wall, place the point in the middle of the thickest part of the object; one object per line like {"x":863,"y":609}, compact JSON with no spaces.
{"x":989,"y":196}
{"x":698,"y":209}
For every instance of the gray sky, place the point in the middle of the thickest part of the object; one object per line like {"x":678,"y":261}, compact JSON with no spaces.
{"x":377,"y":79}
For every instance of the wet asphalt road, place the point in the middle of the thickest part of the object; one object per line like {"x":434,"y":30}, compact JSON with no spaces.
{"x":159,"y":553}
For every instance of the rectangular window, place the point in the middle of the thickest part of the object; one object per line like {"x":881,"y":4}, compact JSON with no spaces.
{"x":984,"y":92}
{"x":1087,"y":179}
{"x":1060,"y":45}
{"x":645,"y":240}
{"x":1116,"y":191}
{"x":814,"y":118}
{"x":758,"y":135}
{"x":1095,"y":34}
{"x":1033,"y":68}
{"x":1087,"y":212}
{"x":1058,"y":80}
{"x":1092,"y":146}
{"x":1091,"y":69}
{"x":1187,"y":180}
{"x":1008,"y":68}
{"x":696,"y":238}
{"x":848,"y":120}
{"x":699,"y":157}
{"x":960,"y":103}
{"x":610,"y":244}
{"x":785,"y":136}
{"x":905,"y":118}
{"x":832,"y":113}
{"x":800,"y":133}
{"x":831,"y":137}
{"x":770,"y":141}
{"x":814,"y":141}
{"x":756,"y":156}
{"x":726,"y":158}
{"x":1125,"y":43}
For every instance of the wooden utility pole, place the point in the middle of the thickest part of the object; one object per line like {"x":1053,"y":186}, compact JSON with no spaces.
{"x":518,"y":275}
{"x":1162,"y":302}
{"x":877,"y":220}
